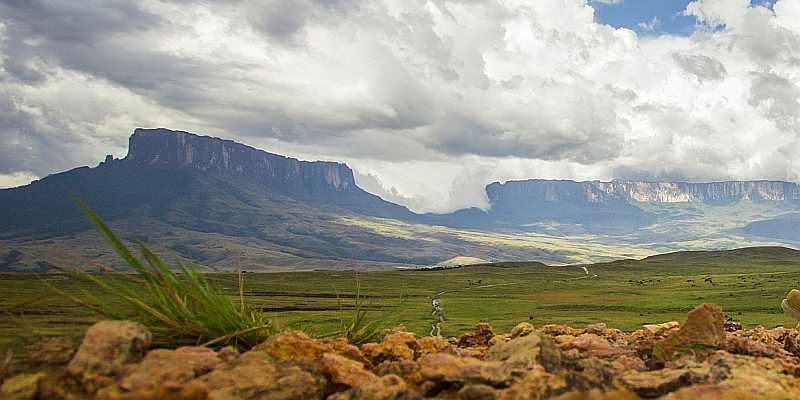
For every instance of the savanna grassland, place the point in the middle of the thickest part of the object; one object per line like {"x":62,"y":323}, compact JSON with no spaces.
{"x":748,"y":283}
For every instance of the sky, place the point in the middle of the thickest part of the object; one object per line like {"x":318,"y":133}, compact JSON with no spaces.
{"x":428,"y":101}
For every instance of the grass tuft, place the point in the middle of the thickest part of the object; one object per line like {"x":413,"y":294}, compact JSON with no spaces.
{"x":180,"y":306}
{"x":361,"y":325}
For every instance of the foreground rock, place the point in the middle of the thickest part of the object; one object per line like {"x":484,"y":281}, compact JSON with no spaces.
{"x":703,"y":358}
{"x":701,"y":334}
{"x":107,"y":346}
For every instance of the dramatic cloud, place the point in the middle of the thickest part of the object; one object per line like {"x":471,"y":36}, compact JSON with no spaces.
{"x":428,"y":100}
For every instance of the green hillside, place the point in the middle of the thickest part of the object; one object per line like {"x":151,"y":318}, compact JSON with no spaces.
{"x":748,"y":283}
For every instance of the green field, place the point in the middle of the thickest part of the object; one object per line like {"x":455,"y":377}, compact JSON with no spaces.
{"x":748,"y":283}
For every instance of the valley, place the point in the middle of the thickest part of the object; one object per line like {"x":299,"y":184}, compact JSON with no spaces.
{"x":748,"y":283}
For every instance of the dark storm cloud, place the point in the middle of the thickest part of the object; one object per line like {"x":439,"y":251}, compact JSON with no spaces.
{"x":85,"y":36}
{"x":461,"y":135}
{"x":75,"y":21}
{"x":38,"y":27}
{"x":284,"y":20}
{"x":281,"y":20}
{"x":35,"y":144}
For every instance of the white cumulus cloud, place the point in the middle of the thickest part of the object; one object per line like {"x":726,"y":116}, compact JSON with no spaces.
{"x":428,"y":100}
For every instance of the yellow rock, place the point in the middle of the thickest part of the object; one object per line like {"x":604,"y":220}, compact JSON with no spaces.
{"x":791,"y":304}
{"x":23,"y":386}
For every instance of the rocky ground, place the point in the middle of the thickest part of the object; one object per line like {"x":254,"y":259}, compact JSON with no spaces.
{"x":705,"y":358}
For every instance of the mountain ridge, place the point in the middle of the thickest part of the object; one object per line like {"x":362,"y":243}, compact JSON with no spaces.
{"x":215,"y":200}
{"x":658,"y":191}
{"x":165,"y":147}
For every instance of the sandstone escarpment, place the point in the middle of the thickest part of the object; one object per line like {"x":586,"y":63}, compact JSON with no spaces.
{"x":640,"y":191}
{"x":168,"y":148}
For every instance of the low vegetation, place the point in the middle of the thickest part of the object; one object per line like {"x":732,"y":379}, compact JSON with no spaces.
{"x":748,"y":283}
{"x":180,"y":305}
{"x":357,"y":323}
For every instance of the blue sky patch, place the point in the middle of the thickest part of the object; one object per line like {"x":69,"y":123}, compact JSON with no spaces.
{"x":651,"y":17}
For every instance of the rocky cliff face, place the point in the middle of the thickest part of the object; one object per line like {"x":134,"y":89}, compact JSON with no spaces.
{"x":168,"y":148}
{"x":597,"y":192}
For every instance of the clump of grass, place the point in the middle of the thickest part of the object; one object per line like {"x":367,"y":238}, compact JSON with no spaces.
{"x":360,"y":325}
{"x":179,"y":306}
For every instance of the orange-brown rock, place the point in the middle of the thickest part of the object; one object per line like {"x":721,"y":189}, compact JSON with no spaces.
{"x":701,"y":334}
{"x":591,"y":345}
{"x":557,"y":330}
{"x":395,"y":346}
{"x":444,"y":367}
{"x":535,"y":385}
{"x":344,"y":371}
{"x":162,"y":367}
{"x":521,"y":329}
{"x":431,"y":345}
{"x":498,"y":339}
{"x":526,"y":352}
{"x":389,"y":387}
{"x":741,"y":377}
{"x":406,"y":369}
{"x":106,"y":347}
{"x":732,"y":326}
{"x":477,"y":392}
{"x":293,"y":345}
{"x":479,"y":336}
{"x":771,"y":338}
{"x":597,"y":394}
{"x":658,"y":329}
{"x":628,"y":363}
{"x":341,"y":346}
{"x":161,"y":391}
{"x":747,"y":346}
{"x":474,"y":352}
{"x":660,"y":382}
{"x":791,"y":343}
{"x":23,"y":386}
{"x":257,"y":376}
{"x":555,"y":362}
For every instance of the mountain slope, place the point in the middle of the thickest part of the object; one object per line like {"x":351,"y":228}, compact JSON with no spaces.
{"x":227,"y":206}
{"x":163,"y":167}
{"x":785,"y":227}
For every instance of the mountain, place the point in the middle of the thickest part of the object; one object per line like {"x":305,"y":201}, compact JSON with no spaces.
{"x":163,"y":166}
{"x":786,"y":227}
{"x":318,"y":182}
{"x":598,"y":192}
{"x":618,"y":203}
{"x":525,"y":202}
{"x":227,"y":206}
{"x":208,"y":200}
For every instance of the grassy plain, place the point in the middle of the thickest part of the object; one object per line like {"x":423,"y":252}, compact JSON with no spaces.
{"x":748,"y":283}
